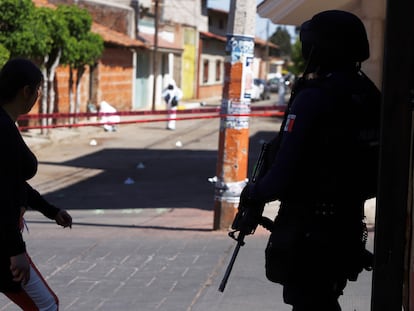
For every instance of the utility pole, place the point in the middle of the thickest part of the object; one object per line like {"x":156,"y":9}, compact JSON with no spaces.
{"x":267,"y":50}
{"x":154,"y":55}
{"x":234,"y":130}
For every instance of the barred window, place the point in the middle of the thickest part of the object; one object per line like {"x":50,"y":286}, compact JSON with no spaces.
{"x":205,"y":71}
{"x":218,"y":70}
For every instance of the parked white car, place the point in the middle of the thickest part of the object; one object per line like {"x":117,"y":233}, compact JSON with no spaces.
{"x":260,"y":91}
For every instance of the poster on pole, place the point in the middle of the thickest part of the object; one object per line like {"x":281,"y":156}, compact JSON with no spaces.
{"x":240,"y":51}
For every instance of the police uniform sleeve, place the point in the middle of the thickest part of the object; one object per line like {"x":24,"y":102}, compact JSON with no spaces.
{"x":302,"y":118}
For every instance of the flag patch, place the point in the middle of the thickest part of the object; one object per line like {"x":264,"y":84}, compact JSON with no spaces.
{"x":289,"y":122}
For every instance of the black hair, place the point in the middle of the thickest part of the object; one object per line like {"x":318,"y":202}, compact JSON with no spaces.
{"x":16,"y":74}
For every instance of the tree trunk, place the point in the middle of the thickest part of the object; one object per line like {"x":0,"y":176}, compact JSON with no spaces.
{"x":43,"y":106}
{"x":79,"y":74}
{"x":51,"y":77}
{"x":71,"y":100}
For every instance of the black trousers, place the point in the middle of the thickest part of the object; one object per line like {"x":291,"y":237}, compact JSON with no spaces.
{"x":326,"y":253}
{"x":318,"y":295}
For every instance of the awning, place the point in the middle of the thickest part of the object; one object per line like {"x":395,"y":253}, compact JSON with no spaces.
{"x":295,"y":12}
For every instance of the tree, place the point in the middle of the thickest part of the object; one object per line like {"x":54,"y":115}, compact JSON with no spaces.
{"x":49,"y":37}
{"x":54,"y":34}
{"x":14,"y":15}
{"x":24,"y":34}
{"x":18,"y":34}
{"x":298,"y":61}
{"x":89,"y":49}
{"x":4,"y":55}
{"x":281,"y":37}
{"x":82,"y":48}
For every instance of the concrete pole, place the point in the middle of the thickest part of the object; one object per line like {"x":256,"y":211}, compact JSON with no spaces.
{"x":393,"y":275}
{"x":154,"y":56}
{"x":234,"y":130}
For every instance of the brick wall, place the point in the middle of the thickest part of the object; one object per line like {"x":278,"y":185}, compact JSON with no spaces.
{"x":117,"y":17}
{"x":112,"y":82}
{"x":208,"y":91}
{"x":115,"y":78}
{"x":62,"y":89}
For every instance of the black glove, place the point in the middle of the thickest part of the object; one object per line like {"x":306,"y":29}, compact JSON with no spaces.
{"x":249,"y":212}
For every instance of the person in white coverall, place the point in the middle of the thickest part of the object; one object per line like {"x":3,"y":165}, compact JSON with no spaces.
{"x":110,"y":121}
{"x":172,"y":95}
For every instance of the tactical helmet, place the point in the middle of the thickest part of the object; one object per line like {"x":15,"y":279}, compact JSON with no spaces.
{"x":334,"y":36}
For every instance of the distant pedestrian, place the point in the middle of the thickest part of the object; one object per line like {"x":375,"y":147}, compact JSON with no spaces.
{"x":172,"y":94}
{"x":109,"y":121}
{"x":322,"y":168}
{"x":20,"y":83}
{"x":282,"y":91}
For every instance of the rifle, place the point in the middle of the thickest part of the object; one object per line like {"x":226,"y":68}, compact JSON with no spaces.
{"x":265,"y":223}
{"x":258,"y":171}
{"x":263,"y":163}
{"x":240,"y":243}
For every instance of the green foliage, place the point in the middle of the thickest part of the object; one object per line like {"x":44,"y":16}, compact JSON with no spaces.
{"x":78,"y":20}
{"x":56,"y":27}
{"x":281,"y":37}
{"x":49,"y":37}
{"x":90,"y":48}
{"x":298,"y":62}
{"x":14,"y":14}
{"x":16,"y":31}
{"x":82,"y":47}
{"x":4,"y":55}
{"x":38,"y":32}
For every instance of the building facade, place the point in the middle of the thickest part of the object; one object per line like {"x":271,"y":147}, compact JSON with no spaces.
{"x":146,"y":46}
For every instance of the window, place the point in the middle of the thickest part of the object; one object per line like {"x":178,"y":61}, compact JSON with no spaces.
{"x":221,"y":24}
{"x":205,"y":71}
{"x":218,"y":70}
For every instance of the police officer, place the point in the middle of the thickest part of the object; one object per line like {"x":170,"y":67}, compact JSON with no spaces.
{"x":323,"y":167}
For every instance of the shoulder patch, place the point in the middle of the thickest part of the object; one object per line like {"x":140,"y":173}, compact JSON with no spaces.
{"x":289,"y":123}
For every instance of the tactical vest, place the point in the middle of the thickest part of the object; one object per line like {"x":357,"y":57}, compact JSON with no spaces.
{"x":342,"y":159}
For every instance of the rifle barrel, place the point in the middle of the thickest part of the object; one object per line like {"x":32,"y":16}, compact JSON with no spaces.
{"x":240,"y":243}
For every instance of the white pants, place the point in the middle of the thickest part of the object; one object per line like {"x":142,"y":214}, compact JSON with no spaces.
{"x":36,"y":295}
{"x":172,"y":114}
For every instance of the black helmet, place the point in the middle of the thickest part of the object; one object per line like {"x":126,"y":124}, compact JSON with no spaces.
{"x":333,"y":37}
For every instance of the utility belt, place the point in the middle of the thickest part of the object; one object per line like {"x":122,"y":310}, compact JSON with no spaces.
{"x":350,"y":209}
{"x":312,"y":230}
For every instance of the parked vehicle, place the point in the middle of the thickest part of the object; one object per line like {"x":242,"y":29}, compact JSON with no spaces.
{"x":261,"y":90}
{"x":274,"y":84}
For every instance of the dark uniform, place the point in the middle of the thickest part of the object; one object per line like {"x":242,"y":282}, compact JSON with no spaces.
{"x":323,"y":169}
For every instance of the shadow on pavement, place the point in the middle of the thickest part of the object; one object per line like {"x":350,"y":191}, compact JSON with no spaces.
{"x":166,"y":228}
{"x":146,"y":178}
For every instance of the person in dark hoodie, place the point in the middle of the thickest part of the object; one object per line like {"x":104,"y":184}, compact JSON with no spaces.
{"x":322,"y":167}
{"x":20,"y":281}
